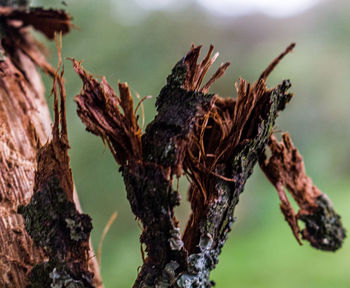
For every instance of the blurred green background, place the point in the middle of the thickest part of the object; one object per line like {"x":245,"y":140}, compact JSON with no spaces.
{"x":126,"y":41}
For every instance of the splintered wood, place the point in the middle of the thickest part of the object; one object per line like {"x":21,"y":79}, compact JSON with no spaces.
{"x":197,"y":72}
{"x":99,"y":109}
{"x":52,"y":158}
{"x":215,"y":142}
{"x":230,"y":124}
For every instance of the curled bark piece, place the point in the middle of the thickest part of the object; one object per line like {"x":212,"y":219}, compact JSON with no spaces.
{"x":285,"y":168}
{"x":47,"y":22}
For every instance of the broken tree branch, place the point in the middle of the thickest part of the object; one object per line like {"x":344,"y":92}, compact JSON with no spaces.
{"x":215,"y":141}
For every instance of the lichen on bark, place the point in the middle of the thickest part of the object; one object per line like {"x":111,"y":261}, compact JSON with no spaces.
{"x":51,"y":217}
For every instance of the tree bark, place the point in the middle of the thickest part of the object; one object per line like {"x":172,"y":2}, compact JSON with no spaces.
{"x":25,"y":125}
{"x":25,"y":122}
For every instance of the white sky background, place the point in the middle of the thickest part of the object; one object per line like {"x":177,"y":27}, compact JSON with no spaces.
{"x":273,"y":8}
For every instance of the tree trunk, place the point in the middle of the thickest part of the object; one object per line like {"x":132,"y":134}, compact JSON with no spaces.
{"x":25,"y":122}
{"x":25,"y":125}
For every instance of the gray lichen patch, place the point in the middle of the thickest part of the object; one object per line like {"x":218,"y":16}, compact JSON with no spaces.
{"x":58,"y":275}
{"x":64,"y":280}
{"x":199,"y":267}
{"x":2,"y":53}
{"x":55,"y":225}
{"x":52,"y":221}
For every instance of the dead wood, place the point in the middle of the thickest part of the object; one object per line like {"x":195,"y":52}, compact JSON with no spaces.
{"x":214,"y":141}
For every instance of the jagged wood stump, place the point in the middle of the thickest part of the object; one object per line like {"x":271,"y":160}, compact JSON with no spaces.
{"x":216,"y":142}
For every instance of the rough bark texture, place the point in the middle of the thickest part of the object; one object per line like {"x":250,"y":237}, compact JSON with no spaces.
{"x":25,"y":125}
{"x":215,"y":141}
{"x":25,"y":121}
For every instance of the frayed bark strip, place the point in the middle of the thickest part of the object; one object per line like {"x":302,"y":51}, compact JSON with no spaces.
{"x":22,"y":54}
{"x":275,"y":62}
{"x":234,"y":136}
{"x":211,"y":219}
{"x":231,"y":125}
{"x":99,"y":108}
{"x":285,"y":168}
{"x":25,"y":125}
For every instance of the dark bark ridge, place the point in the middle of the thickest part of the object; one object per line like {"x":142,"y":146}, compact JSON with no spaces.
{"x":215,"y":141}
